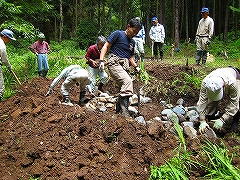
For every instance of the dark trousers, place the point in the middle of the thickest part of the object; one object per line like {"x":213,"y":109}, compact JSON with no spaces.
{"x":157,"y":46}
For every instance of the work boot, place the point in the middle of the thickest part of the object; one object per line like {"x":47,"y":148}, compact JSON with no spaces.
{"x":198,"y":57}
{"x":204,"y":57}
{"x":44,"y":74}
{"x":100,"y":87}
{"x":156,"y":58}
{"x":40,"y":73}
{"x":81,"y":98}
{"x":235,"y":122}
{"x":161,"y":58}
{"x":124,"y":104}
{"x":66,"y":99}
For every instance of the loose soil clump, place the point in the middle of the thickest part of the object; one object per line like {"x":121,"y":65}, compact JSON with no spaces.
{"x":40,"y":137}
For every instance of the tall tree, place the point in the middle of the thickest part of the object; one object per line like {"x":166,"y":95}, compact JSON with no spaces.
{"x":226,"y":19}
{"x":176,"y":38}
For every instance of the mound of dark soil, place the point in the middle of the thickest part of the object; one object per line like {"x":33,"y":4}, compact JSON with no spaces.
{"x":40,"y":137}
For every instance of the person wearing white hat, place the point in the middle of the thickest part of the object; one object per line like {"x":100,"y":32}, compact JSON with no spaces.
{"x":220,"y":83}
{"x":203,"y":35}
{"x":41,"y":48}
{"x":6,"y":37}
{"x":73,"y":74}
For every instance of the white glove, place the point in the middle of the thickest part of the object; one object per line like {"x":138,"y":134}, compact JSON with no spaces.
{"x":101,"y":65}
{"x":138,"y":69}
{"x":49,"y":92}
{"x":218,"y":124}
{"x":203,"y":126}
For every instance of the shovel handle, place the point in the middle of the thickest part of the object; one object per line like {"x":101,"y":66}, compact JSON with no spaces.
{"x":16,"y":77}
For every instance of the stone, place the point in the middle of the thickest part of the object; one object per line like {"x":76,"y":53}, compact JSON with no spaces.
{"x":190,"y":131}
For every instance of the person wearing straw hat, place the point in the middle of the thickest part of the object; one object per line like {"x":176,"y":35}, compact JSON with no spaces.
{"x":222,"y":83}
{"x":6,"y":37}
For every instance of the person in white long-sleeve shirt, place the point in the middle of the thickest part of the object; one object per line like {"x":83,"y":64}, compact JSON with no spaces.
{"x":203,"y":36}
{"x":157,"y":35}
{"x":73,"y":74}
{"x":6,"y":37}
{"x":220,"y":83}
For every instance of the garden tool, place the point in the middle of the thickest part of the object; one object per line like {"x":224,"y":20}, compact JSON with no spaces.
{"x":138,"y":93}
{"x":16,"y":77}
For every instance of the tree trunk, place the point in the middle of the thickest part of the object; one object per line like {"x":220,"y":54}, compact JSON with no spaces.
{"x":226,"y":21}
{"x":236,"y":19}
{"x":176,"y":39}
{"x":61,"y":22}
{"x":186,"y":20}
{"x":148,"y":24}
{"x":76,"y":15}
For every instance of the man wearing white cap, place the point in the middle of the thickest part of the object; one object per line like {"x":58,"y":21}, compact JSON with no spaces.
{"x":41,"y":48}
{"x":6,"y":37}
{"x":73,"y":74}
{"x":222,"y":82}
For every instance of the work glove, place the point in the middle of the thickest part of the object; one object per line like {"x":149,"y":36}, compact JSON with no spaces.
{"x":138,"y":70}
{"x":49,"y":92}
{"x":208,"y":42}
{"x":218,"y":124}
{"x":101,"y":65}
{"x":203,"y":126}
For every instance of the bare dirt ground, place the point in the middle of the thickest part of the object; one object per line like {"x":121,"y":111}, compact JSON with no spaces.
{"x":42,"y":138}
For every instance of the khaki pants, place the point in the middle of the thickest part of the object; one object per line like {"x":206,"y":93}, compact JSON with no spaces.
{"x":118,"y":69}
{"x":1,"y":83}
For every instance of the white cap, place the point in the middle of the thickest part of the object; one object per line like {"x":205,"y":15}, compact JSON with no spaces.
{"x":214,"y":87}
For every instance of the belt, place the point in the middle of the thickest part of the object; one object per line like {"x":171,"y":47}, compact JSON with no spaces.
{"x":202,"y":36}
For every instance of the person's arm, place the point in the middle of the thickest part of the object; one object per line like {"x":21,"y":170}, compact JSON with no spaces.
{"x":104,"y":50}
{"x":48,"y":47}
{"x":151,"y":34}
{"x":58,"y":78}
{"x":211,"y":28}
{"x":4,"y":58}
{"x":202,"y":102}
{"x":33,"y":48}
{"x":92,"y":63}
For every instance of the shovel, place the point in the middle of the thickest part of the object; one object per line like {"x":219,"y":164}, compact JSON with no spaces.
{"x":16,"y":77}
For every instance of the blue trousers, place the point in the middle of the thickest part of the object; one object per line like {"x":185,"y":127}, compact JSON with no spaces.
{"x":42,"y":62}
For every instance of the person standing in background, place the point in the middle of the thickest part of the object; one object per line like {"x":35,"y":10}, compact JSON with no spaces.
{"x":41,"y":48}
{"x":6,"y":37}
{"x":203,"y":36}
{"x":157,"y":35}
{"x":139,"y":43}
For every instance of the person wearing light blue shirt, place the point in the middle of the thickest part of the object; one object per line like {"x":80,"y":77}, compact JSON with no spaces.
{"x":157,"y":35}
{"x":139,"y":43}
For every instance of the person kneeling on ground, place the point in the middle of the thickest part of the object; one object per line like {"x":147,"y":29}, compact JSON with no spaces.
{"x":222,"y":82}
{"x":73,"y":74}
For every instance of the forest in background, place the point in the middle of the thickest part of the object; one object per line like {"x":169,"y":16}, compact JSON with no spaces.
{"x":84,"y":20}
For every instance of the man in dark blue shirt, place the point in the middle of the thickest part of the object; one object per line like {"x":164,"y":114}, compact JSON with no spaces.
{"x":120,"y":58}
